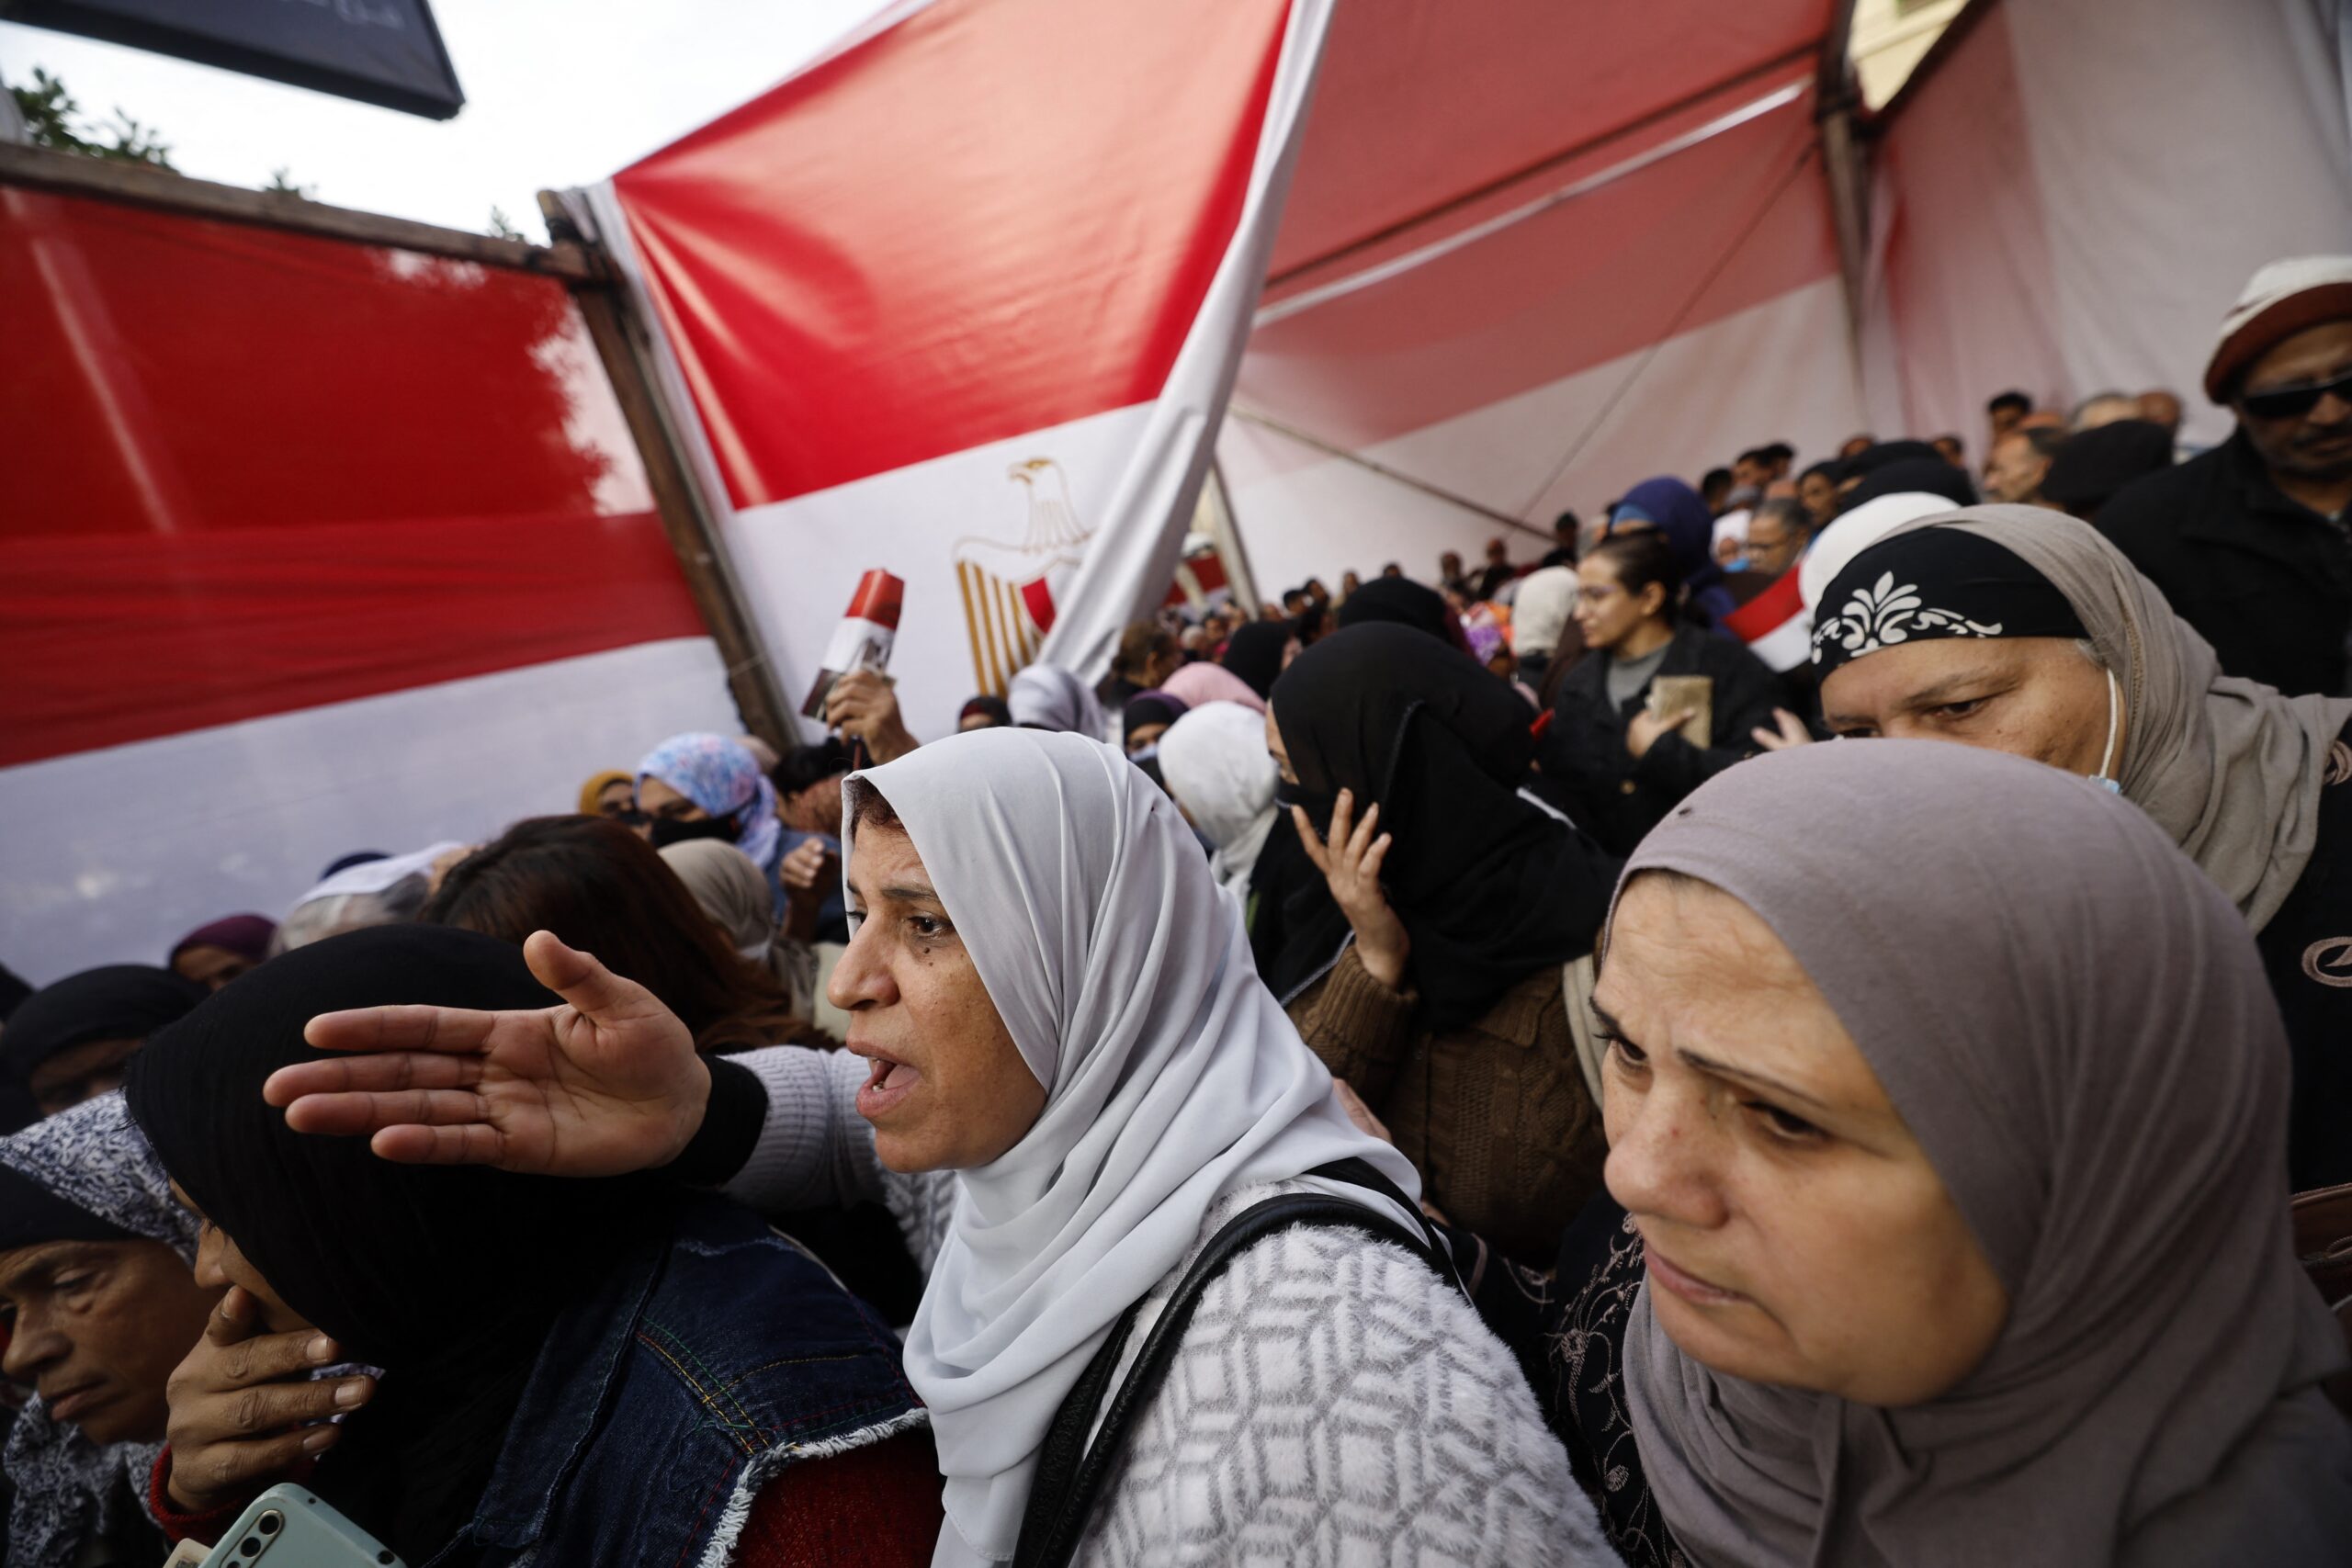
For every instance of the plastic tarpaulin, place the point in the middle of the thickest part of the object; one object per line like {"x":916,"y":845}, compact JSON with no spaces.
{"x":309,"y":547}
{"x":962,"y":300}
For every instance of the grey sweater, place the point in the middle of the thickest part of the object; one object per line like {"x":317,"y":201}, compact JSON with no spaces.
{"x":1333,"y":1402}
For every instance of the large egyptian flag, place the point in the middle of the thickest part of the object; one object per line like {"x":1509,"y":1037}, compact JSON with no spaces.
{"x":963,"y":299}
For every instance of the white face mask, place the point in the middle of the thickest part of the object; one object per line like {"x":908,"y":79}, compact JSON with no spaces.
{"x":2104,"y":778}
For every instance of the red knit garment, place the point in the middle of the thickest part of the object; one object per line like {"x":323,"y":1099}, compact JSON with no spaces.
{"x":877,"y":1505}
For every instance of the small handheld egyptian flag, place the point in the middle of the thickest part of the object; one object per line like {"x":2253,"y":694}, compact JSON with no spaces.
{"x":862,"y":639}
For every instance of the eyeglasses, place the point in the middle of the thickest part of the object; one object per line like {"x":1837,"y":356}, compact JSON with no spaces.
{"x":2293,"y":402}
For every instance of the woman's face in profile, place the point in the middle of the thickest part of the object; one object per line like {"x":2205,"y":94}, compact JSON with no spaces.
{"x":948,"y":1088}
{"x":1795,"y":1232}
{"x":220,"y":1263}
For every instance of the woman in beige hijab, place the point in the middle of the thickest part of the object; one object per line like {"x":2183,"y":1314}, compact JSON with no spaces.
{"x":2020,"y":630}
{"x":731,"y":891}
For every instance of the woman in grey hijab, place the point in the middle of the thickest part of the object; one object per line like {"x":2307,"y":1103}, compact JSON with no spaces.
{"x":2014,"y":628}
{"x":1950,"y":1143}
{"x":1044,"y":696}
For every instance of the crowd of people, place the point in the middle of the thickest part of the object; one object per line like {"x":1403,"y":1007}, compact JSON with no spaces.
{"x":1469,"y":1072}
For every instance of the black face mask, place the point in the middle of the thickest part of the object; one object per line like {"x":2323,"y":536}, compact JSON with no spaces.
{"x":1288,"y":794}
{"x":668,"y":831}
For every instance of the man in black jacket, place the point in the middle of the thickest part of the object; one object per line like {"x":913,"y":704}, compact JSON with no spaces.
{"x":2250,"y":541}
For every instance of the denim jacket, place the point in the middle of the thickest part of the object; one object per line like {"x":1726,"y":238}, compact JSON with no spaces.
{"x":702,"y":1366}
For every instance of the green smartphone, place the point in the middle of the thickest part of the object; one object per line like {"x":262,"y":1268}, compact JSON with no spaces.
{"x":288,"y":1528}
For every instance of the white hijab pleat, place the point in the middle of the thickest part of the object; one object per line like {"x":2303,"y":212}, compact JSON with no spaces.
{"x":1172,"y":1077}
{"x":1046,"y":696}
{"x":1215,"y":764}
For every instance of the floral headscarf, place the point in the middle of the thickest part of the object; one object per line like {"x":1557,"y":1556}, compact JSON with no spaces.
{"x":722,"y":778}
{"x":91,"y":1170}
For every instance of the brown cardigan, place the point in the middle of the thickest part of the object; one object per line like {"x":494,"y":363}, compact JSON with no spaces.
{"x":1495,"y":1114}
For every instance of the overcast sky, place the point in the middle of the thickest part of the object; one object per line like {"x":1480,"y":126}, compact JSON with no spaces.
{"x":557,"y":93}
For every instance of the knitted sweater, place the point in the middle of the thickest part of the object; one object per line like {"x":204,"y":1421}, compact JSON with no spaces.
{"x":1332,"y":1401}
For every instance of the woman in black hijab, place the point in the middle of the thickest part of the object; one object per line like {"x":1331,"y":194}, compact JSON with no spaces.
{"x":1406,"y":602}
{"x":1467,"y":1047}
{"x":2092,"y":465}
{"x":1254,"y":653}
{"x":512,"y":1314}
{"x":68,"y":1041}
{"x":1929,"y":475}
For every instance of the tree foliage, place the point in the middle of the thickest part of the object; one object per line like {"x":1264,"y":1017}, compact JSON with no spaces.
{"x":52,"y":118}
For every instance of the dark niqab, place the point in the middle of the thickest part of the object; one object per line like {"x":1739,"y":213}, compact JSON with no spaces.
{"x":1490,"y":887}
{"x":1254,"y":653}
{"x":447,"y":1277}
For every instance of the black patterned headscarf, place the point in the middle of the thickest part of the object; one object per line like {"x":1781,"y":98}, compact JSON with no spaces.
{"x":1932,"y":584}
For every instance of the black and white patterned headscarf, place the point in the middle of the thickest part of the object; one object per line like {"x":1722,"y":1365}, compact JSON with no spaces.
{"x":86,"y":1174}
{"x":1935,"y":582}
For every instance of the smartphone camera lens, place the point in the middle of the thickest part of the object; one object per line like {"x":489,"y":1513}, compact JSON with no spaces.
{"x":268,"y":1524}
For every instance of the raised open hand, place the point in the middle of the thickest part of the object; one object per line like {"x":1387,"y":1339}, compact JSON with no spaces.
{"x":606,"y":1083}
{"x":1789,"y":730}
{"x":1350,"y":860}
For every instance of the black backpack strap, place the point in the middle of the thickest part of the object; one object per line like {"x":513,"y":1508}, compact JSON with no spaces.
{"x":1071,"y":1471}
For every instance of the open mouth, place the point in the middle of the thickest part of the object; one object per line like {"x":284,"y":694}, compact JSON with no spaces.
{"x":889,"y":1083}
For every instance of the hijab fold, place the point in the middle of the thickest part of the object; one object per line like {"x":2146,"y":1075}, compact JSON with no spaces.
{"x":2078,"y":1030}
{"x":2229,"y":768}
{"x":1171,"y":1079}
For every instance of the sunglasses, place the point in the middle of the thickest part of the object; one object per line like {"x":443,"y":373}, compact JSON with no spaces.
{"x":2292,"y":402}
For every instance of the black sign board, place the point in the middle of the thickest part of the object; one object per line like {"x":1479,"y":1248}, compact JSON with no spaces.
{"x":379,"y":51}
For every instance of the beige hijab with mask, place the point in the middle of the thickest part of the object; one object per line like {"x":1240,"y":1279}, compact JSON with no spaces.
{"x":2231,"y":769}
{"x":2077,"y":1027}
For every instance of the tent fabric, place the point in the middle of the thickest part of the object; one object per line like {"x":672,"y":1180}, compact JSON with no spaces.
{"x":962,"y":300}
{"x":307,"y":544}
{"x":1633,"y":222}
{"x":213,"y":499}
{"x":2071,"y":199}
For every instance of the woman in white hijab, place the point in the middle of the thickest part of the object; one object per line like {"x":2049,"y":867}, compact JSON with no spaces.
{"x":374,"y":893}
{"x":1072,"y":1081}
{"x":1214,"y":760}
